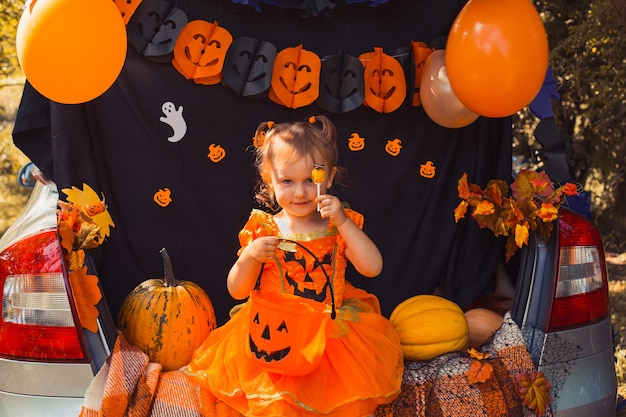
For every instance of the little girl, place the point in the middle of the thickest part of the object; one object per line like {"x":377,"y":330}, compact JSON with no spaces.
{"x":353,"y":358}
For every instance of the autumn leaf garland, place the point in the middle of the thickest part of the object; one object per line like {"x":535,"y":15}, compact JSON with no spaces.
{"x":78,"y":232}
{"x":531,"y":204}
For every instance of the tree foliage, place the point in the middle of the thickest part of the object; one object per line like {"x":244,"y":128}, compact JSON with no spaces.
{"x":9,"y":19}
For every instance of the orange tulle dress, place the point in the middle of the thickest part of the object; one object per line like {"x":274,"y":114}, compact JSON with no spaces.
{"x":357,"y":363}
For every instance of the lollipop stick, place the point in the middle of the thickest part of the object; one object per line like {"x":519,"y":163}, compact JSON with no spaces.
{"x":318,"y":194}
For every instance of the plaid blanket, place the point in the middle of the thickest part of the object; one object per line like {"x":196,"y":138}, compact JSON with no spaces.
{"x":129,"y":385}
{"x":440,"y":387}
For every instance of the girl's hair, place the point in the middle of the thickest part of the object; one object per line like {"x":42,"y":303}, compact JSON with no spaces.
{"x":315,"y":137}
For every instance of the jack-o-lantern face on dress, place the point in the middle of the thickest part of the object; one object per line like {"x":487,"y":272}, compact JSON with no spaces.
{"x":295,"y":77}
{"x":286,"y":333}
{"x":200,"y":51}
{"x":341,"y":84}
{"x":385,"y":82}
{"x":248,"y":66}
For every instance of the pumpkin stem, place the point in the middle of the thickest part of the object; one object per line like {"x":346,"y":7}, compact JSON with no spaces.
{"x":168,"y":271}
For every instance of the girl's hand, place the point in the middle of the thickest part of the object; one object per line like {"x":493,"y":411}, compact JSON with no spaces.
{"x":262,"y":249}
{"x":331,"y":209}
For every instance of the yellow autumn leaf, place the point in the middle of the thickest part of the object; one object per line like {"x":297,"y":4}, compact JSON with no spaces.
{"x":88,"y":197}
{"x":75,"y":260}
{"x":521,"y":235}
{"x":475,"y":354}
{"x":86,"y":295}
{"x":548,"y":212}
{"x":535,"y":391}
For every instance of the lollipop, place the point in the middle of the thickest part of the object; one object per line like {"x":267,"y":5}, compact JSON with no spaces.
{"x":318,"y":176}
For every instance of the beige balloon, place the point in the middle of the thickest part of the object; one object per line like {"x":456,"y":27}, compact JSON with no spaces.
{"x":438,"y":99}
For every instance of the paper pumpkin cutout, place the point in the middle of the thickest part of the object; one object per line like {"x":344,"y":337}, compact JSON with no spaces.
{"x":286,"y":333}
{"x":154,"y":28}
{"x":393,"y":147}
{"x":163,"y":197}
{"x":427,"y":170}
{"x":216,"y":153}
{"x":127,"y":8}
{"x":356,"y":142}
{"x":420,"y":52}
{"x":200,"y":51}
{"x":248,"y":66}
{"x":295,"y":77}
{"x":385,"y":83}
{"x":90,"y":200}
{"x":341,"y":83}
{"x":71,"y":51}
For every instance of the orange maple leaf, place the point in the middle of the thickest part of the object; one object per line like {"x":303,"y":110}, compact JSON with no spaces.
{"x":570,"y":189}
{"x":463,"y":187}
{"x":534,"y":390}
{"x":460,"y":210}
{"x":86,"y":295}
{"x":548,"y":212}
{"x":485,"y":208}
{"x":479,"y":371}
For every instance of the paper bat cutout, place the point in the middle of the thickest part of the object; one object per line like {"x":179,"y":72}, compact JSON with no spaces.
{"x":385,"y":83}
{"x":154,"y":28}
{"x":248,"y":66}
{"x":200,"y":51}
{"x":341,"y":83}
{"x":295,"y":77}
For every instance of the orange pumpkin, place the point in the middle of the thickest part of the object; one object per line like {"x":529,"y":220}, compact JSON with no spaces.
{"x":429,"y":326}
{"x":167,"y":319}
{"x":482,"y":324}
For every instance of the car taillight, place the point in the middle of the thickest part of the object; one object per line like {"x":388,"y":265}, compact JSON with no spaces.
{"x":37,"y":322}
{"x":581,"y":295}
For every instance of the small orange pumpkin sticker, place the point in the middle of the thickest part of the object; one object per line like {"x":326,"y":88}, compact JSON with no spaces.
{"x":216,"y":152}
{"x":393,"y":147}
{"x":163,"y":197}
{"x":427,"y":170}
{"x":356,"y":142}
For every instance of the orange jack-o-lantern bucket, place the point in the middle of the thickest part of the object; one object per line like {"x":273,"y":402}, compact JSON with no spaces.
{"x":287,"y":333}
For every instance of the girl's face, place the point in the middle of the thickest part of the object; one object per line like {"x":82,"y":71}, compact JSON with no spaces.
{"x":293,"y":187}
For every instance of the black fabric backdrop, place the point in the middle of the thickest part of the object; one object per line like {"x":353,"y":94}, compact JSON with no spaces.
{"x":117,"y":144}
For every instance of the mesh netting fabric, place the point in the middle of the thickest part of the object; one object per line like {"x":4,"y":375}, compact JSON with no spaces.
{"x":440,"y":388}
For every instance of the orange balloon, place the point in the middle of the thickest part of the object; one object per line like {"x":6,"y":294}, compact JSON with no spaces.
{"x":439,"y":101}
{"x":497,"y":56}
{"x":71,"y":51}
